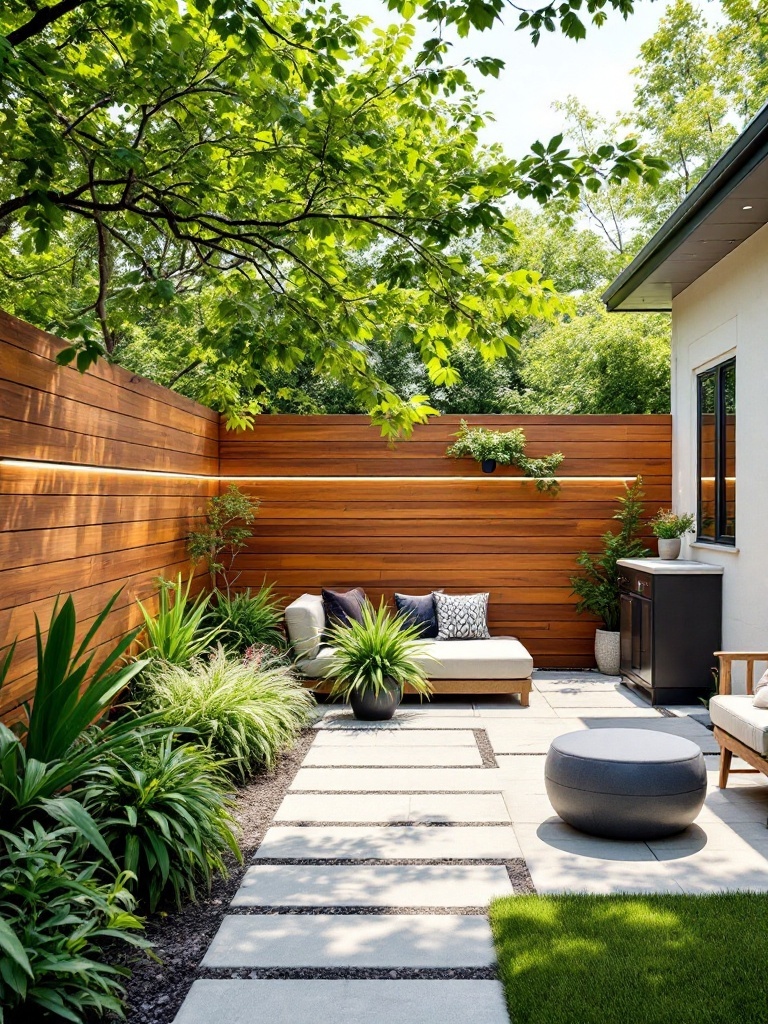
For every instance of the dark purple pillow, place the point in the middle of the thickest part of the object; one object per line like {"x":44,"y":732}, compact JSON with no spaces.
{"x":418,"y":611}
{"x":343,"y":607}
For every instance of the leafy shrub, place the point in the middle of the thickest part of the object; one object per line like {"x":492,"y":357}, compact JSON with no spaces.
{"x":55,"y":916}
{"x":165,"y":816}
{"x":246,"y":713}
{"x":229,"y":517}
{"x":178,"y":632}
{"x":378,"y":648}
{"x":251,"y":619}
{"x":598,"y":585}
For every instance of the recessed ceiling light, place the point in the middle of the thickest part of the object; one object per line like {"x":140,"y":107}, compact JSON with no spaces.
{"x":746,"y":207}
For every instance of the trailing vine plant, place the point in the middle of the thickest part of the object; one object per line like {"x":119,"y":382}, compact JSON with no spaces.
{"x":507,"y":448}
{"x":229,"y":517}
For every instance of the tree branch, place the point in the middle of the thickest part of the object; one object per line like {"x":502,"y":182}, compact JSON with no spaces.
{"x":42,"y":19}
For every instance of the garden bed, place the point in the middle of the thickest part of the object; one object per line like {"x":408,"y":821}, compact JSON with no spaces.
{"x":156,"y":990}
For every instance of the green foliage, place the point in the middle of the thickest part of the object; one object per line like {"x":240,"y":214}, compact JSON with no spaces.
{"x":597,"y":587}
{"x":250,"y":619}
{"x":595,"y":362}
{"x":380,"y":647}
{"x":507,"y":447}
{"x":164,"y":813}
{"x":64,"y":706}
{"x":179,"y":631}
{"x":229,"y":517}
{"x":56,"y":917}
{"x":264,"y":190}
{"x":668,"y":525}
{"x":247,"y":713}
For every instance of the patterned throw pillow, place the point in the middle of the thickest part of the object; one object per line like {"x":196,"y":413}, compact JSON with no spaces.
{"x":461,"y":616}
{"x":343,"y":607}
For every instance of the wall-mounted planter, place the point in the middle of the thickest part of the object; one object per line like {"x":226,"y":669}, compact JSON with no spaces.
{"x":489,"y":465}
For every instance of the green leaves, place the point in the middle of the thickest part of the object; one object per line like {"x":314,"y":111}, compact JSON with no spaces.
{"x":245,"y":712}
{"x":380,"y":647}
{"x":178,"y":631}
{"x":165,"y":816}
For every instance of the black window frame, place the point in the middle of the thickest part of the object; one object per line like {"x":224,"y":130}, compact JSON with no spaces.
{"x":720,"y":537}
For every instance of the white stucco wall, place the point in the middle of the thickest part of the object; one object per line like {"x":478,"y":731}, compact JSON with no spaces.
{"x":722,"y":314}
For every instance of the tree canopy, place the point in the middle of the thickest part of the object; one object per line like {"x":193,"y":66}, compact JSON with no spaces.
{"x":282,"y":182}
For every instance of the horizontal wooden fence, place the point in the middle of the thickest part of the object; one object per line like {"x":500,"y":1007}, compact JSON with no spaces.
{"x":86,"y":506}
{"x":340,"y":508}
{"x":102,"y":476}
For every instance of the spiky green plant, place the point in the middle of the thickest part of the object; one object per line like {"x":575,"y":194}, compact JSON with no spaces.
{"x":245,"y":712}
{"x":56,"y":917}
{"x":164,"y":812}
{"x":250,"y":618}
{"x":70,"y":694}
{"x":380,"y":647}
{"x":179,"y":631}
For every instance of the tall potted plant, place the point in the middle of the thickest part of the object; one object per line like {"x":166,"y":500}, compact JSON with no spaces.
{"x":374,"y":660}
{"x":597,"y":586}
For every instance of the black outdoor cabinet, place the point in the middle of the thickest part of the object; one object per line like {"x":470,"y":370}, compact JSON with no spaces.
{"x":671,"y":615}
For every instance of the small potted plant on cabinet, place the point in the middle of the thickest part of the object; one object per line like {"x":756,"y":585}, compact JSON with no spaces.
{"x":597,"y":587}
{"x":670,"y":529}
{"x":374,"y":660}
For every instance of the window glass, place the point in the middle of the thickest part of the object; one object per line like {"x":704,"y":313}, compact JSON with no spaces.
{"x":707,"y":454}
{"x":716,"y":517}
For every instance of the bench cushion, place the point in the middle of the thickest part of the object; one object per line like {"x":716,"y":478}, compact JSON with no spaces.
{"x":737,"y":715}
{"x":496,"y":658}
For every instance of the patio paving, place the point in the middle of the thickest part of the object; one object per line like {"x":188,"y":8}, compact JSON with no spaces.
{"x":396,"y":859}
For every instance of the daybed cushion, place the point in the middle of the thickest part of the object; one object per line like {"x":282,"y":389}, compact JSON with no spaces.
{"x":496,"y":658}
{"x":305,"y":622}
{"x":737,"y":715}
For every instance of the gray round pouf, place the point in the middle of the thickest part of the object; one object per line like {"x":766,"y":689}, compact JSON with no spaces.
{"x":626,"y":783}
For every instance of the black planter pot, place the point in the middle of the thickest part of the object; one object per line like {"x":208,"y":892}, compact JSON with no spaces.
{"x":369,"y":706}
{"x":489,"y":465}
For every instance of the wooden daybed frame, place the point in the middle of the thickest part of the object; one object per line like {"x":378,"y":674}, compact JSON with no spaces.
{"x":729,"y":745}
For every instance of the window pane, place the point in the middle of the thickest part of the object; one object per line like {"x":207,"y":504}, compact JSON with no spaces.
{"x":707,"y":454}
{"x":728,"y":384}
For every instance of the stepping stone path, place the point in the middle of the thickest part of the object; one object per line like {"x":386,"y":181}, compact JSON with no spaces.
{"x":367,"y":898}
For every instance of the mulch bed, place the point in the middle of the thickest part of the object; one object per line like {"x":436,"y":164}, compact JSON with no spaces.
{"x":156,"y":990}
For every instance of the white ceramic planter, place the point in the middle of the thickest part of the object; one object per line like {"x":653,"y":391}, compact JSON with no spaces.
{"x":608,"y":651}
{"x":669,"y":548}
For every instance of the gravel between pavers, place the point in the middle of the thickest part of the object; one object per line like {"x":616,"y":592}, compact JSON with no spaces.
{"x":354,"y":973}
{"x":485,"y":748}
{"x":157,"y":990}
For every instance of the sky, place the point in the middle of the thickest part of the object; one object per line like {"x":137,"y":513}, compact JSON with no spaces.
{"x":597,"y":70}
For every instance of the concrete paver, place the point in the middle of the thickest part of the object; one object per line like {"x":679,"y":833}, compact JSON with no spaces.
{"x":359,"y":940}
{"x":395,"y":842}
{"x":319,"y":1001}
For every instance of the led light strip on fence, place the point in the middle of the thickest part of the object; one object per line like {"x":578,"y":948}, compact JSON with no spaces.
{"x":108,"y":470}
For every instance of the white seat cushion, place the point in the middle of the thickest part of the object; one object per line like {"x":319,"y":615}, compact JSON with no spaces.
{"x":500,"y":657}
{"x":737,"y":715}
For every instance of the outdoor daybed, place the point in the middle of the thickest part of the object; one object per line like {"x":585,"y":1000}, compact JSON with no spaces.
{"x":499,"y":664}
{"x":740,"y":720}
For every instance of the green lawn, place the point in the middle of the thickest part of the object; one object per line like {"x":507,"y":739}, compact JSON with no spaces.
{"x":634,"y":959}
